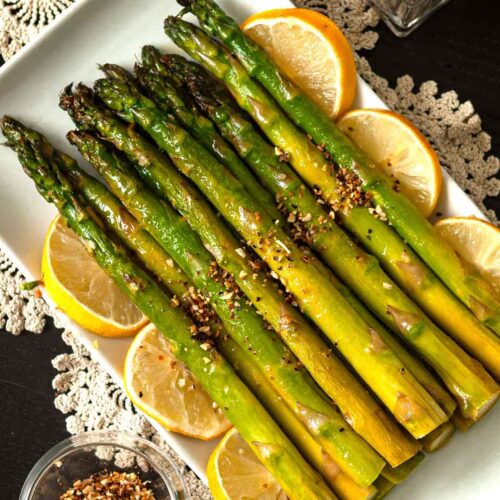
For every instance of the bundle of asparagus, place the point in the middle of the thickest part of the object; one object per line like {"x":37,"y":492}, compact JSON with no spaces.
{"x":311,"y":287}
{"x":153,"y":257}
{"x":399,"y":261}
{"x":242,"y":408}
{"x":320,"y":301}
{"x":291,"y":382}
{"x":377,"y":290}
{"x":466,"y":283}
{"x":194,"y":150}
{"x":357,"y":405}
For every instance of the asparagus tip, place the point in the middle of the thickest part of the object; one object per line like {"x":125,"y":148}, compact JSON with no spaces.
{"x":174,"y":24}
{"x":149,"y":50}
{"x":117,"y":72}
{"x":71,"y":94}
{"x":72,"y":136}
{"x":14,"y":131}
{"x":7,"y":123}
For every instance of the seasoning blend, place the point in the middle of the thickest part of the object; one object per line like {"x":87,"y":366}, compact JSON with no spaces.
{"x":118,"y":485}
{"x":85,"y":467}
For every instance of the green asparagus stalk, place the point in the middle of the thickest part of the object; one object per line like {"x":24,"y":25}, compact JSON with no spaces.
{"x":320,"y":300}
{"x":256,"y":426}
{"x":401,"y":263}
{"x":386,"y":244}
{"x":358,"y":269}
{"x":154,"y":258}
{"x":399,"y":474}
{"x":467,"y":283}
{"x":241,"y":321}
{"x":384,"y":487}
{"x":203,"y":129}
{"x":461,"y":423}
{"x":364,"y":415}
{"x":419,"y":371}
{"x":439,"y":437}
{"x":341,"y":483}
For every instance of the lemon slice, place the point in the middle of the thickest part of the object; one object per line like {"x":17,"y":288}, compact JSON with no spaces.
{"x":235,"y":473}
{"x":477,"y":242}
{"x":312,"y":51}
{"x":79,"y":287}
{"x":400,"y":150}
{"x":165,"y":389}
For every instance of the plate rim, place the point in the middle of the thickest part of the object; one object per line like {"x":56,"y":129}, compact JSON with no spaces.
{"x":9,"y":66}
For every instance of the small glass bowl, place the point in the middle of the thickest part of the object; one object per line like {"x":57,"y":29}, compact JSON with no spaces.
{"x":404,"y":16}
{"x":78,"y":458}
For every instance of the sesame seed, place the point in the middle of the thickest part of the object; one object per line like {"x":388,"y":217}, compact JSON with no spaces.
{"x":282,"y":245}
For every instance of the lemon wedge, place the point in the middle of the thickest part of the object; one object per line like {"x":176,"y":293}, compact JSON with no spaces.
{"x":163,"y":388}
{"x":235,"y":473}
{"x":477,"y":242}
{"x":310,"y":50}
{"x":80,"y":288}
{"x":400,"y":150}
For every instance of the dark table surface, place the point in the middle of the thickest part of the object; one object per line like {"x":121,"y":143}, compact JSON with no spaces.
{"x":459,"y":47}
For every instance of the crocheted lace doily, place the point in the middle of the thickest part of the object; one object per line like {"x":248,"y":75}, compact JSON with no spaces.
{"x":84,"y":392}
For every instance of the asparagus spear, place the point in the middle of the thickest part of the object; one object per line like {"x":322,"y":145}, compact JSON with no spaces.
{"x":365,"y":416}
{"x":419,"y":371}
{"x":385,"y":243}
{"x":341,"y":484}
{"x":358,"y":269}
{"x":203,"y":129}
{"x":461,"y":423}
{"x":384,"y":487}
{"x":309,"y":162}
{"x":263,"y":435}
{"x":399,"y":474}
{"x":320,"y":300}
{"x":241,"y":321}
{"x":154,"y":258}
{"x":439,"y":437}
{"x":467,"y":283}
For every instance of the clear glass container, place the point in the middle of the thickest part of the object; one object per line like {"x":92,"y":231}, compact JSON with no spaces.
{"x":403,"y":16}
{"x":78,"y":458}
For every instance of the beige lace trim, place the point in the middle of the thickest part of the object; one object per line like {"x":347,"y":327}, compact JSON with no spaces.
{"x":452,"y":127}
{"x":21,"y":20}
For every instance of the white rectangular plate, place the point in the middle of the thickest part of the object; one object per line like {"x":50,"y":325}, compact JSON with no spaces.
{"x":92,"y":32}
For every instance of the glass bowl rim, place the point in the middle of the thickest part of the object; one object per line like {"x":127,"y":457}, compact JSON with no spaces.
{"x":110,"y":437}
